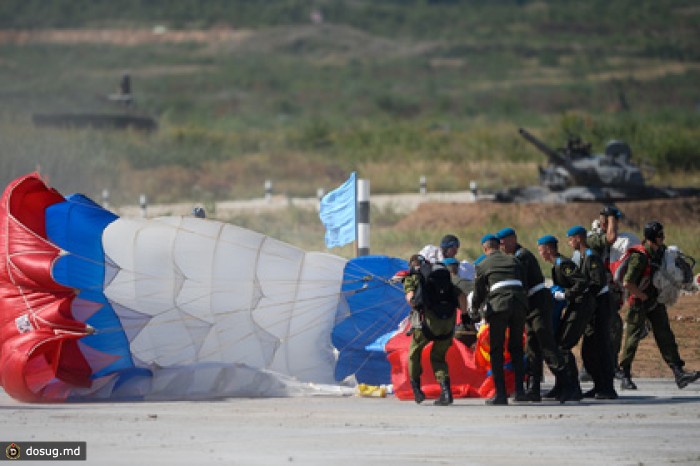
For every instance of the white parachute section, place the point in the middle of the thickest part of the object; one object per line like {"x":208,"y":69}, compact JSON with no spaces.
{"x":213,"y":309}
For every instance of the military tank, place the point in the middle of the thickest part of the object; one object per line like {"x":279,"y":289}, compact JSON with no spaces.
{"x":127,"y":118}
{"x":574,"y":174}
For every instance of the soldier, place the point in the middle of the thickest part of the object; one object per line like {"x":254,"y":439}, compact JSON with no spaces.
{"x":499,"y":286}
{"x":644,"y":305}
{"x":595,"y":349}
{"x":540,"y":343}
{"x":577,"y":313}
{"x":600,"y":241}
{"x":466,"y":332}
{"x":449,"y":245}
{"x":427,"y":326}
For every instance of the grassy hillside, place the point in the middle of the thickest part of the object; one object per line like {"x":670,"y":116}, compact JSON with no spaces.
{"x":393,"y":89}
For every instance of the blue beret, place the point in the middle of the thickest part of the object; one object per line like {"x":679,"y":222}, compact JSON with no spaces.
{"x":479,"y":259}
{"x":488,"y":237}
{"x":505,"y":233}
{"x":547,"y":239}
{"x":576,"y":230}
{"x":450,"y":261}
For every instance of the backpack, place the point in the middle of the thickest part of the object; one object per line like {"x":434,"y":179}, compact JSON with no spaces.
{"x":435,"y":291}
{"x":618,"y":268}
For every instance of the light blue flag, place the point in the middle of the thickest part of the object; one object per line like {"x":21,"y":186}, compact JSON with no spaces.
{"x":337,"y":214}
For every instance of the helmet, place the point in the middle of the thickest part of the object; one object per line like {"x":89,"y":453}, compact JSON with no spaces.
{"x":449,"y":241}
{"x":611,"y":211}
{"x":199,"y":212}
{"x":653,"y":230}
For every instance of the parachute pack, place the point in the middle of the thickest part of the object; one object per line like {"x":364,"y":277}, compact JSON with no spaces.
{"x":674,"y":274}
{"x":435,"y":291}
{"x":618,"y":268}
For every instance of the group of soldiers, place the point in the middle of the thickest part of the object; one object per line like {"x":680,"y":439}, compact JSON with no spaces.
{"x":509,"y":293}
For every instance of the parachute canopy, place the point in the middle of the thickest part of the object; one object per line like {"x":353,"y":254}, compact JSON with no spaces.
{"x":100,"y":307}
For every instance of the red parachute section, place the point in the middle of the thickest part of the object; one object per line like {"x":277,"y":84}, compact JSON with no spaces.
{"x":37,"y":330}
{"x":470,"y":369}
{"x":482,"y":355}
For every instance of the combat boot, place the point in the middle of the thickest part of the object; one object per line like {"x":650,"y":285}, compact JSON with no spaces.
{"x":533,"y":389}
{"x":567,"y":382}
{"x":445,"y":394}
{"x":450,"y":398}
{"x":554,"y":392}
{"x":519,"y":396}
{"x":627,"y":383}
{"x":683,"y":378}
{"x":501,"y":397}
{"x":418,"y":394}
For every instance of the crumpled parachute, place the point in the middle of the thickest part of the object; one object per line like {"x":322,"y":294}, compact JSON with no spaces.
{"x":93,"y":306}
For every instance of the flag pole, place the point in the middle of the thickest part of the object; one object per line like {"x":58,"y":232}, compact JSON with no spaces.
{"x":362,"y":218}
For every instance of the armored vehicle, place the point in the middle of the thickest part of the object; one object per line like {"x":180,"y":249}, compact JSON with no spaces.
{"x":575,"y":174}
{"x":126,"y":118}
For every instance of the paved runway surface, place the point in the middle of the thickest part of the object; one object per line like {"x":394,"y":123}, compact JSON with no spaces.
{"x":657,"y":424}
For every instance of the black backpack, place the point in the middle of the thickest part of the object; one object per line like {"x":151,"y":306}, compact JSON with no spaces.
{"x":435,"y":291}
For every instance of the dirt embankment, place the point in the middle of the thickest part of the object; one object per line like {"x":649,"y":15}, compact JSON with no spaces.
{"x":685,"y":211}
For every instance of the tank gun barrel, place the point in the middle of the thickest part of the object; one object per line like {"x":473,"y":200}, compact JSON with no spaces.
{"x":554,"y":156}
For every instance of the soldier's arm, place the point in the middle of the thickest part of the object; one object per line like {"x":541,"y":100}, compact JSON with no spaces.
{"x":575,"y":279}
{"x":480,"y":291}
{"x":611,"y":232}
{"x":635,"y":268}
{"x":409,"y":288}
{"x":462,"y":301}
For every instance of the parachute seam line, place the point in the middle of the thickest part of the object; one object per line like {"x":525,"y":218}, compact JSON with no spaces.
{"x":250,"y":311}
{"x":211,"y":271}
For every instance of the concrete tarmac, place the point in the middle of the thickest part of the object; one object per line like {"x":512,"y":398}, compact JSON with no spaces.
{"x":657,"y":424}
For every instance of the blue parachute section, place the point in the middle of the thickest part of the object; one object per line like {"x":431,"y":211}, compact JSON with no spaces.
{"x":376,"y":307}
{"x":76,"y":226}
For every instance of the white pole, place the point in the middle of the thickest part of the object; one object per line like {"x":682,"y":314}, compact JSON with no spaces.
{"x":105,"y":198}
{"x":362,"y":218}
{"x":143,"y":202}
{"x":423,"y":185}
{"x":268,"y":190}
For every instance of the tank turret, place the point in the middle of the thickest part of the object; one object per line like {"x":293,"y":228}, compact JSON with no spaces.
{"x":573,"y":173}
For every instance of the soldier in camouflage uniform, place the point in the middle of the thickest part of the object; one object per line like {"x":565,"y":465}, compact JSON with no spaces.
{"x":643,"y":294}
{"x":540,"y":344}
{"x":426,"y":326}
{"x":595,"y":349}
{"x":499,"y":285}
{"x":576,"y":315}
{"x":600,"y":241}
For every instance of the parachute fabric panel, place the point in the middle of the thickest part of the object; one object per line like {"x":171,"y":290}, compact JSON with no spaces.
{"x":218,"y":294}
{"x":377,"y":305}
{"x":77,"y":226}
{"x":34,"y":308}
